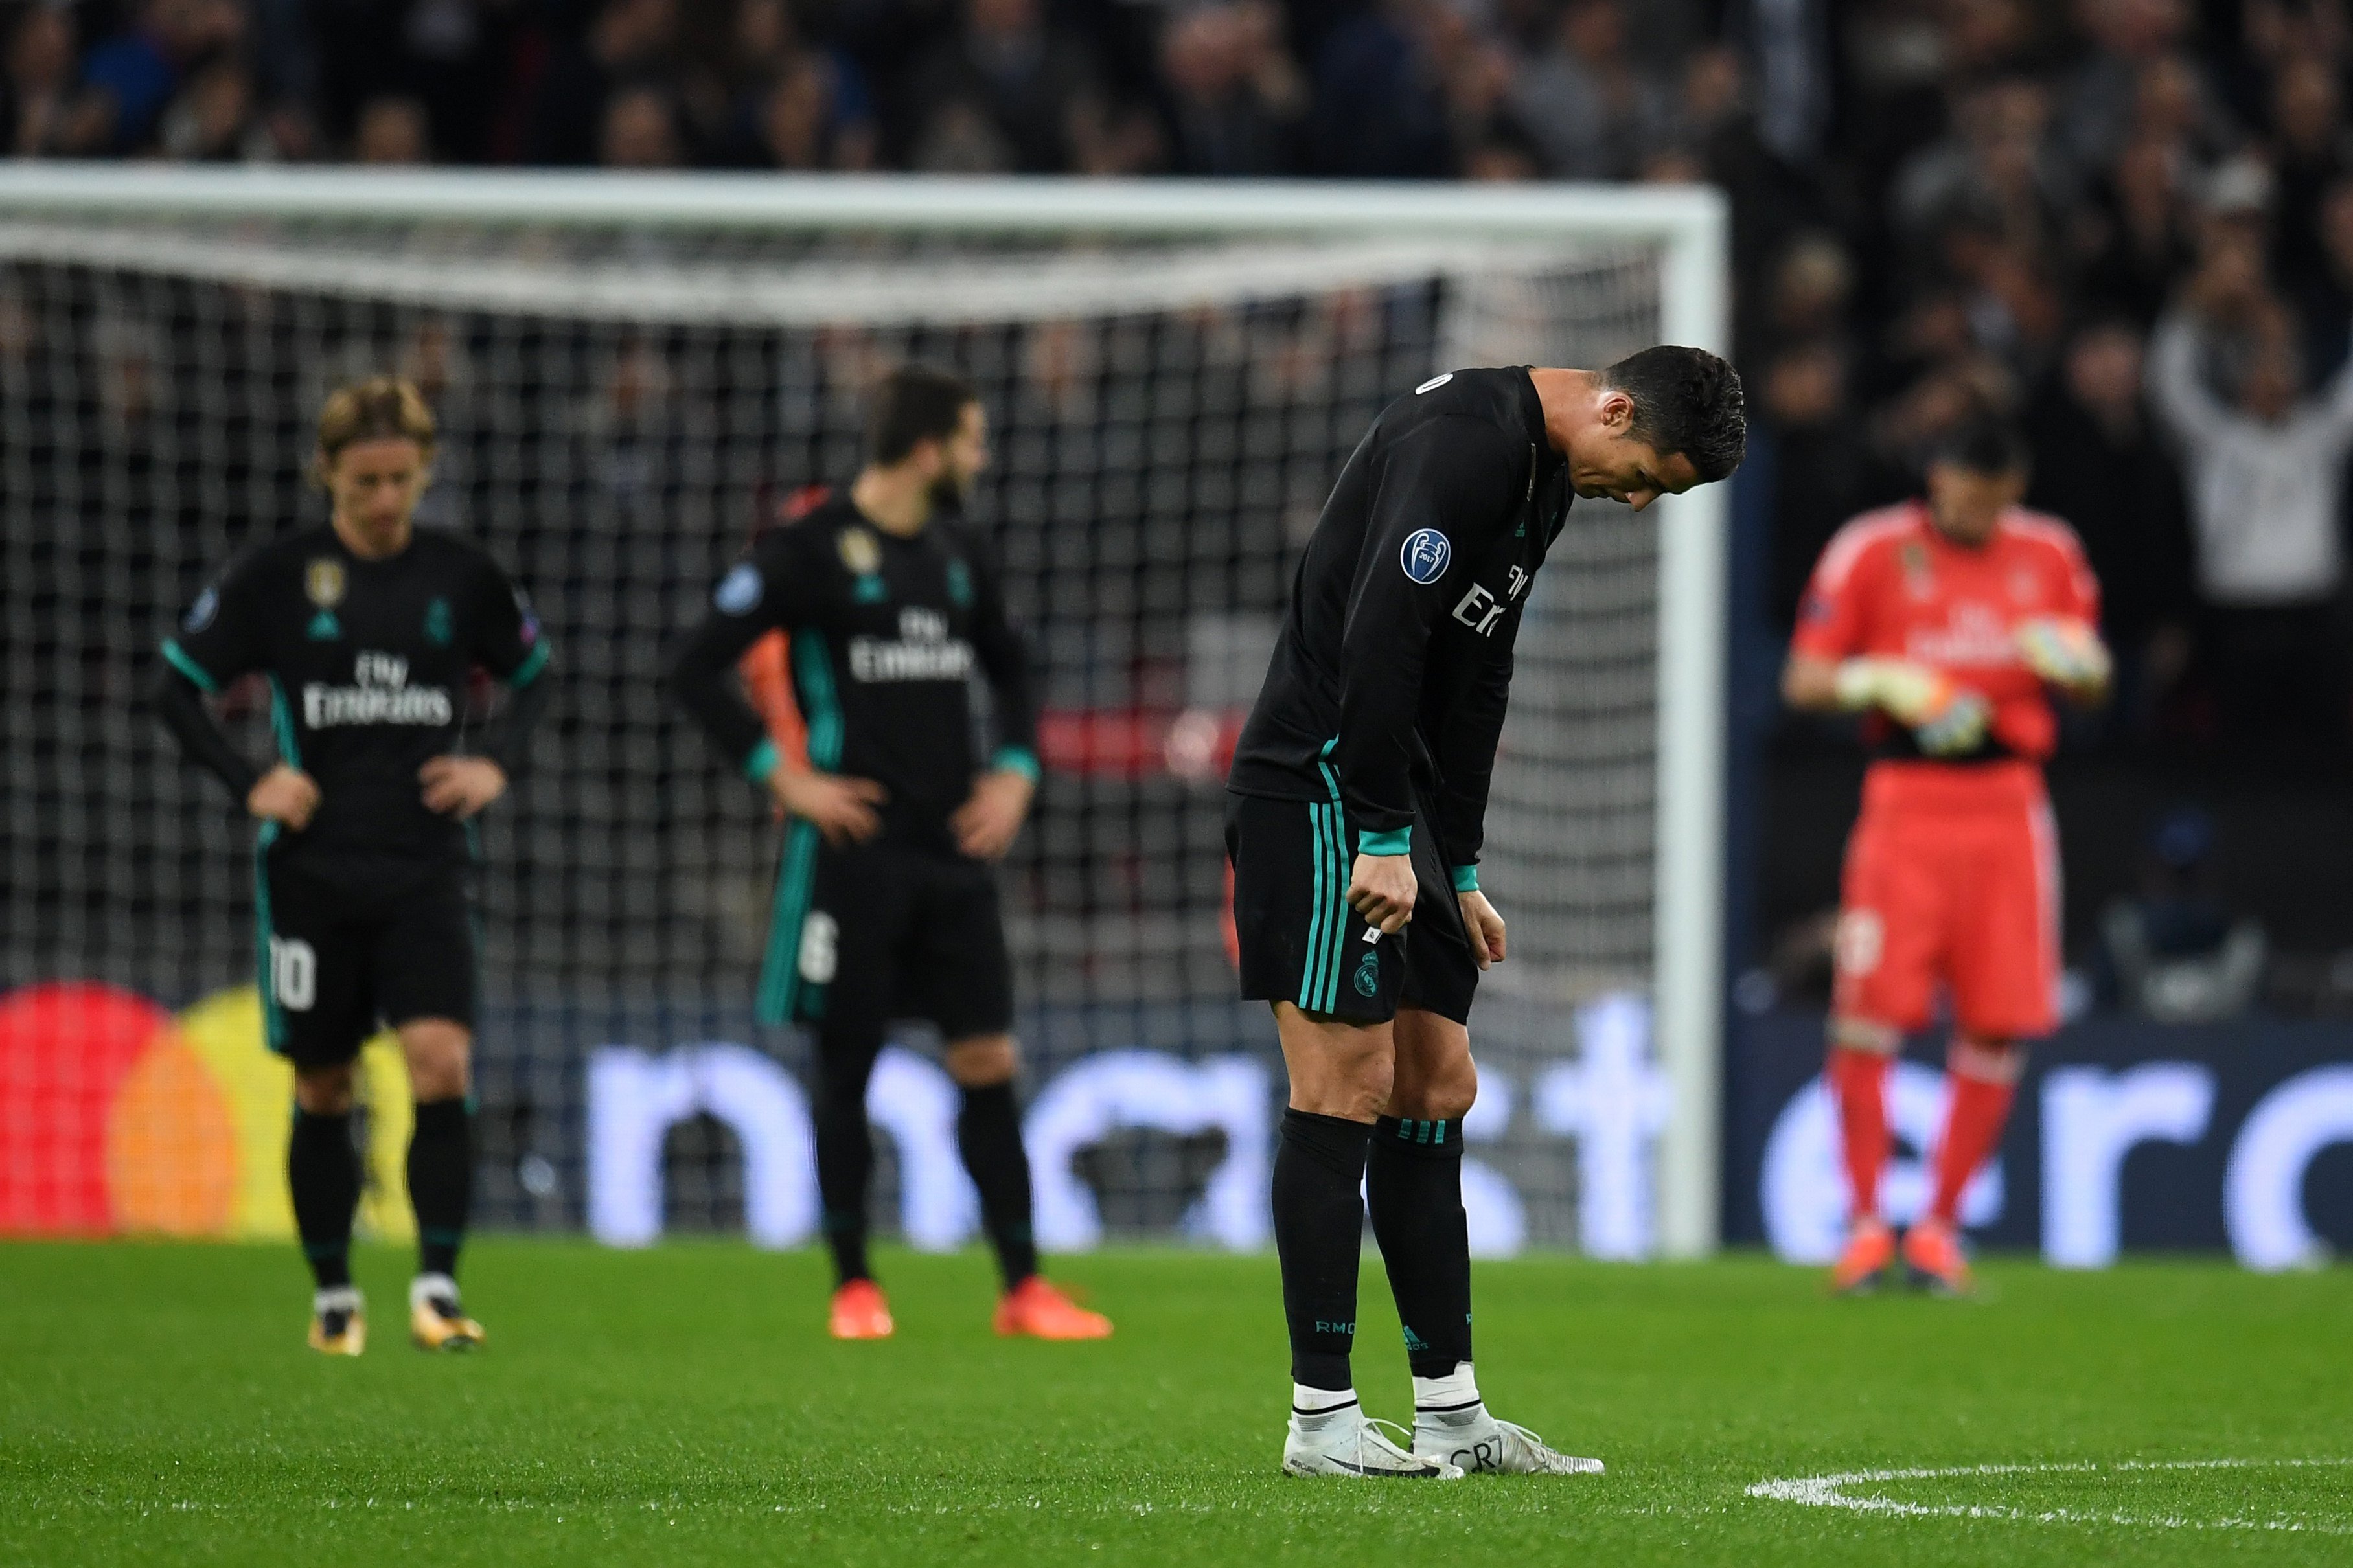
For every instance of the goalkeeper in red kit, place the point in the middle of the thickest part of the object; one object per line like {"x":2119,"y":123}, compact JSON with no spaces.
{"x":1947,"y":624}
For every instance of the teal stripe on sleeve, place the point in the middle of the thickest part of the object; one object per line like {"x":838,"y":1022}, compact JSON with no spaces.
{"x":281,"y":722}
{"x":179,"y":659}
{"x":1466,"y":879}
{"x":819,"y":699}
{"x":1015,"y":759}
{"x":533,"y":663}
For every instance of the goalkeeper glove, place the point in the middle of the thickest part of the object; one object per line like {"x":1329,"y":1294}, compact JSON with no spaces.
{"x":1947,"y":720}
{"x":2064,"y":650}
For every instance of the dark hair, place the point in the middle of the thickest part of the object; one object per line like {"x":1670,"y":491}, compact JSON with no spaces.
{"x":1982,"y":447}
{"x":1687,"y":401}
{"x":914,"y":404}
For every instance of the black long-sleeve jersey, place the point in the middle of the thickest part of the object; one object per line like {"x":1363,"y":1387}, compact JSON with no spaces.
{"x":368,"y":664}
{"x":887,"y":634}
{"x":1394,"y":663}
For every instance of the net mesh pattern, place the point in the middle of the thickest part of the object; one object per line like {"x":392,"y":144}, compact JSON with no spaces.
{"x":1161,"y":456}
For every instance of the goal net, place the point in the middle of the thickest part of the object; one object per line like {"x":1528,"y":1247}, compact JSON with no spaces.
{"x":629,"y":381}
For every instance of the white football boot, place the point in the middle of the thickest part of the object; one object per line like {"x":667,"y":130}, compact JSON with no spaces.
{"x":1344,"y":1441}
{"x":1469,"y":1437}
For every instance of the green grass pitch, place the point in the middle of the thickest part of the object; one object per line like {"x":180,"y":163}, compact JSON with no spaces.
{"x":682,"y":1405}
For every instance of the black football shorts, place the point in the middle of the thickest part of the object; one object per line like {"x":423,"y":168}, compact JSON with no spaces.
{"x":1301,"y":943}
{"x":341,"y":958}
{"x":891,"y":931}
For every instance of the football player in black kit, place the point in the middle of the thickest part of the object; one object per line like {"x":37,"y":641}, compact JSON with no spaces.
{"x":1359,"y":797}
{"x":886,"y":904}
{"x":367,"y":630}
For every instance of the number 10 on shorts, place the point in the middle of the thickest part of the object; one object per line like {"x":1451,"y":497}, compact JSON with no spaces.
{"x":293,"y":973}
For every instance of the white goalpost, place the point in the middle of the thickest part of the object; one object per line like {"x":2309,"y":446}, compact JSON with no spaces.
{"x":633,"y":372}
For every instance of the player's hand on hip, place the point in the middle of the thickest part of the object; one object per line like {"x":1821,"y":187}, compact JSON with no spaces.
{"x":987,"y":824}
{"x":841,"y":807}
{"x":460,"y":786}
{"x":1381,"y":889}
{"x":284,"y":794}
{"x":1484,"y":926}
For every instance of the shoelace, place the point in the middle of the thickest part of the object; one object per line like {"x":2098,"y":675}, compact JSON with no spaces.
{"x":1374,"y":1425}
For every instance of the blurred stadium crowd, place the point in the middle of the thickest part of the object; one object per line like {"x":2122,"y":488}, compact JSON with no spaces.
{"x":2127,"y":223}
{"x":1939,"y":203}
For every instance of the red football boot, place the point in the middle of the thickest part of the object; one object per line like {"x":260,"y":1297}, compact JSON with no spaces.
{"x":1869,"y":1248}
{"x":859,"y":1313}
{"x":1932,"y":1251}
{"x":1036,"y":1309}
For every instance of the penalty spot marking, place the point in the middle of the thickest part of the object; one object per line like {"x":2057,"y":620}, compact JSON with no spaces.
{"x":1832,"y":1491}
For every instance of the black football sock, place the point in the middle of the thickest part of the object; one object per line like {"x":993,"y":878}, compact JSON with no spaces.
{"x":441,"y":1182}
{"x":1413,"y":1181}
{"x":1319,"y":1232}
{"x":988,"y":1136}
{"x":845,"y":1148}
{"x":324,"y":1174}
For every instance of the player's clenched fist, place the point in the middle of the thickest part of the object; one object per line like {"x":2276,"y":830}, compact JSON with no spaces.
{"x":284,"y":794}
{"x":1485,"y":927}
{"x":1381,"y":891}
{"x":840,"y":808}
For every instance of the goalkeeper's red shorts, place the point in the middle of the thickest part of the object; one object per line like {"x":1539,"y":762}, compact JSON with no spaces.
{"x":1952,"y":879}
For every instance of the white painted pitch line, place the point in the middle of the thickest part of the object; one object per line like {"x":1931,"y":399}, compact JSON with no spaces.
{"x":1830,"y":1491}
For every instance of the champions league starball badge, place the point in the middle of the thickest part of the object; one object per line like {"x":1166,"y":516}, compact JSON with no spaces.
{"x":739,"y":590}
{"x":1425,"y":556}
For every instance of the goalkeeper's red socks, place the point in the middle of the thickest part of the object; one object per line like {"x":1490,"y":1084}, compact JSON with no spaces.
{"x":1981,"y":1080}
{"x":1858,"y":1086}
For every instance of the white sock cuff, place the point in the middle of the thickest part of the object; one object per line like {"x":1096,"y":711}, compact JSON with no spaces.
{"x":426,"y":1286}
{"x":1456,"y":1390}
{"x":337,"y":1299}
{"x":1306,"y":1401}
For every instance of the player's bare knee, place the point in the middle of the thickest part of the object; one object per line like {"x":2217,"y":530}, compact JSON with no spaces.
{"x":324,"y":1091}
{"x":984,"y":1062}
{"x":1986,"y":1057}
{"x":438,"y":1052}
{"x":1451,"y":1091}
{"x":1866,"y":1035}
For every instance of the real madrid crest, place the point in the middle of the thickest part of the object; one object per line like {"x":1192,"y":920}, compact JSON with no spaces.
{"x":323,"y":583}
{"x":859,"y":551}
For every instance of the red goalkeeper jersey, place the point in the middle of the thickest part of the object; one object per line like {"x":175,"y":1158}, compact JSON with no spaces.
{"x":1890,"y":585}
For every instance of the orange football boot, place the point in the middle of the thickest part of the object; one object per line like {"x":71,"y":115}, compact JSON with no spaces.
{"x":859,"y":1313}
{"x":1933,"y":1253}
{"x":1036,"y":1309}
{"x":1869,"y":1248}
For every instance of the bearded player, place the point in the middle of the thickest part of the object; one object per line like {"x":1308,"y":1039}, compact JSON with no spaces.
{"x":368,"y":630}
{"x":1359,"y":793}
{"x":886,"y":903}
{"x":1947,"y":624}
